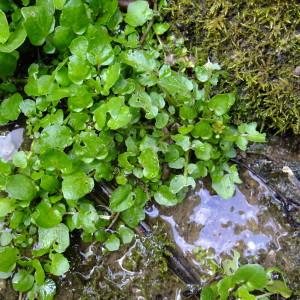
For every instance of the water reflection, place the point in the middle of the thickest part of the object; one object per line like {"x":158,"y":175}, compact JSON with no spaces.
{"x":10,"y":143}
{"x":243,"y":222}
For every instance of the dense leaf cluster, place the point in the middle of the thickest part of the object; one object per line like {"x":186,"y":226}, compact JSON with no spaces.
{"x":246,"y":282}
{"x":102,"y":106}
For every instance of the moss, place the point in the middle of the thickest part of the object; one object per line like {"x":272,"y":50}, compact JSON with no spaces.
{"x":258,"y":43}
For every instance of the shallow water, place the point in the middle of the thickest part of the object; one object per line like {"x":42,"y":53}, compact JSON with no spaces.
{"x":242,"y":222}
{"x":253,"y":222}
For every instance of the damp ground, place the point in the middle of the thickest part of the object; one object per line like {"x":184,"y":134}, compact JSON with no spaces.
{"x":261,"y":221}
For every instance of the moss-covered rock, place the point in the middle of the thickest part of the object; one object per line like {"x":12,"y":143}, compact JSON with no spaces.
{"x":258,"y":43}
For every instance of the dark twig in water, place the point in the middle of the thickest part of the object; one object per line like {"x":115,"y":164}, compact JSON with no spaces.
{"x":284,"y":200}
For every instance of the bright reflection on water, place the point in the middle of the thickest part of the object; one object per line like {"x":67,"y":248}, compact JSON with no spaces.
{"x":10,"y":143}
{"x":243,"y":222}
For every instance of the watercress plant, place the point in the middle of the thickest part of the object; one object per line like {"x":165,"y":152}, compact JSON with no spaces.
{"x":245,"y":282}
{"x":103,"y":103}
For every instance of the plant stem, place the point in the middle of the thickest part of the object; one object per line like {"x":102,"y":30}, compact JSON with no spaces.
{"x":143,"y":38}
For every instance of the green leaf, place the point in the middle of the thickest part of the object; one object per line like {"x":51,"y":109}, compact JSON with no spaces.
{"x":49,"y":183}
{"x":149,"y":160}
{"x":179,"y":182}
{"x":15,"y":40}
{"x":203,"y":74}
{"x":20,"y":187}
{"x":139,"y":60}
{"x":56,"y":237}
{"x":5,"y":238}
{"x":138,"y":13}
{"x":87,"y":217}
{"x":279,"y":287}
{"x":78,"y":69}
{"x":161,"y":28}
{"x":182,"y":140}
{"x":249,"y":131}
{"x":126,"y":234}
{"x":110,"y":77}
{"x":62,"y":38}
{"x":47,"y":216}
{"x":59,"y":264}
{"x":207,"y":293}
{"x":162,"y":120}
{"x":7,"y":206}
{"x":47,"y":290}
{"x":202,"y":151}
{"x":188,"y":112}
{"x":20,"y":159}
{"x":202,"y":129}
{"x":133,"y":216}
{"x":38,"y":21}
{"x":77,"y":185}
{"x":121,"y":198}
{"x":10,"y":108}
{"x":242,"y":142}
{"x":22,"y":281}
{"x":55,"y":137}
{"x":59,"y":4}
{"x":39,"y":274}
{"x":83,"y":99}
{"x":78,"y":120}
{"x":8,"y":63}
{"x":224,"y":286}
{"x":141,"y":99}
{"x":244,"y":294}
{"x":224,"y":186}
{"x":79,"y":46}
{"x":164,"y":196}
{"x":8,"y":259}
{"x":54,"y":159}
{"x":221,"y":103}
{"x":28,"y":107}
{"x":100,"y":51}
{"x":74,"y":15}
{"x":119,"y":112}
{"x":112,"y":243}
{"x":4,"y":28}
{"x":253,"y":275}
{"x":178,"y":86}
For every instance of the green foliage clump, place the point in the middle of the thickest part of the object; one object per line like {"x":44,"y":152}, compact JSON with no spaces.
{"x":258,"y":43}
{"x":246,"y":282}
{"x":102,"y":104}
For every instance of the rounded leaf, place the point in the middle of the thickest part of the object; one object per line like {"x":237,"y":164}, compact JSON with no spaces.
{"x":22,"y":281}
{"x":21,"y":187}
{"x":8,"y":259}
{"x":164,"y":196}
{"x":77,"y":185}
{"x":121,"y":198}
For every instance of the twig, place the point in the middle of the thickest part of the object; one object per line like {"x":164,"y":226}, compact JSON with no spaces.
{"x":113,"y":221}
{"x":143,"y":39}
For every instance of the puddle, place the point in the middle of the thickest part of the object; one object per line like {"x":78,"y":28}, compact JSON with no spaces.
{"x":252,"y":222}
{"x":10,"y":142}
{"x":137,"y":272}
{"x":248,"y":222}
